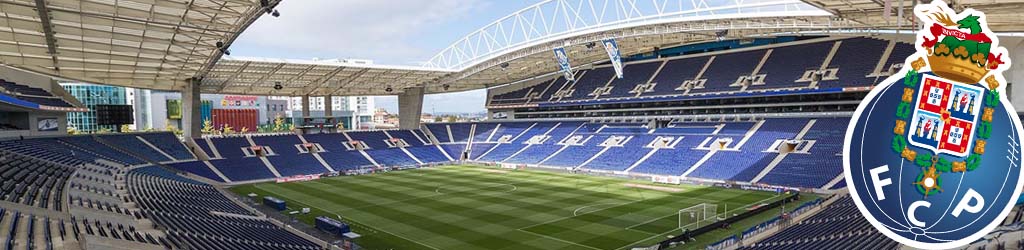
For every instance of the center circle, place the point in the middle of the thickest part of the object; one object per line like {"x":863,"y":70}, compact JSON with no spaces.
{"x":929,"y":182}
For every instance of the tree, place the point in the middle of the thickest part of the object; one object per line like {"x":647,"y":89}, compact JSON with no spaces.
{"x":278,"y":123}
{"x":72,"y":130}
{"x":340,"y":126}
{"x":207,"y":126}
{"x":228,"y":130}
{"x":171,"y":128}
{"x":244,"y":130}
{"x":125,"y":128}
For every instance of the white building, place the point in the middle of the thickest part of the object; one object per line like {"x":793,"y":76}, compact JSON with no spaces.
{"x":362,"y":107}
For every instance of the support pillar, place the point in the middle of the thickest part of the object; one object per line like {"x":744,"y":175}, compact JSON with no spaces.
{"x":328,"y":106}
{"x":305,"y":106}
{"x":191,"y":101}
{"x":410,"y":108}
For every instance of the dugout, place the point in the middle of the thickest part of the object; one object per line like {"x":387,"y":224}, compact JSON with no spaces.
{"x":332,"y":226}
{"x":274,"y":203}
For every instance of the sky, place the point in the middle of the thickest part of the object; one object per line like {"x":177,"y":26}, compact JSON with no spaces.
{"x":391,"y":32}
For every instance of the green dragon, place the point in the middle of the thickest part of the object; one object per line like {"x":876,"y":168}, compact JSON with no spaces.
{"x":965,"y":49}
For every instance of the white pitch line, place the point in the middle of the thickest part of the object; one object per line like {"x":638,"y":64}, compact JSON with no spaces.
{"x":677,"y":214}
{"x":574,"y":212}
{"x":646,"y":239}
{"x":622,"y":204}
{"x":673,"y":230}
{"x":514,"y":188}
{"x":554,"y":238}
{"x":570,"y":217}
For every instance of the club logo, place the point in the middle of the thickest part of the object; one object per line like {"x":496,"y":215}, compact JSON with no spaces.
{"x":933,"y":154}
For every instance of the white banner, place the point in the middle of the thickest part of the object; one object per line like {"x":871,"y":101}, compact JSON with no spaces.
{"x":613,"y":55}
{"x":563,"y":63}
{"x":308,"y":177}
{"x":665,"y":179}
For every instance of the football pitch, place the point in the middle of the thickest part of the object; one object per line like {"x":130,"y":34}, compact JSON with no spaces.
{"x":465,"y":207}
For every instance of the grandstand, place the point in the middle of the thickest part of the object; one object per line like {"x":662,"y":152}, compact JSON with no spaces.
{"x":735,"y":109}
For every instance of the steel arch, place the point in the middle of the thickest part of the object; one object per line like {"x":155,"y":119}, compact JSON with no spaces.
{"x":551,"y":20}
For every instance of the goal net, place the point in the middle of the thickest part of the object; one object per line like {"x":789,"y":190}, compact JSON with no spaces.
{"x":697,"y":215}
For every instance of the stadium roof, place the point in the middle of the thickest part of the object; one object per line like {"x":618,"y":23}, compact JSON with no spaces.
{"x":162,"y":44}
{"x":137,"y":43}
{"x":518,"y":46}
{"x":242,"y":75}
{"x":1002,"y":15}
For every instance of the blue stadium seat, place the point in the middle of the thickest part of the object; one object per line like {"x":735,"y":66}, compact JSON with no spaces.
{"x":633,"y":74}
{"x":675,"y":161}
{"x":243,"y":169}
{"x":183,"y":208}
{"x":838,"y":225}
{"x":197,"y":168}
{"x":288,"y":160}
{"x":855,"y":59}
{"x":620,"y":158}
{"x":168,"y":143}
{"x":819,"y":166}
{"x":130,"y":141}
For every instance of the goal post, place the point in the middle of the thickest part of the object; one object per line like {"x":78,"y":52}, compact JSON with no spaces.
{"x":698,"y":215}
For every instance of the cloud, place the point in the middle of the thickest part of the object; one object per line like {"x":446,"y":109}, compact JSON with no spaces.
{"x":387,"y":31}
{"x":403,"y":32}
{"x":459,"y":102}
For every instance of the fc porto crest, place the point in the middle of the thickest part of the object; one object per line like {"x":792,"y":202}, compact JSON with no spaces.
{"x":933,"y":154}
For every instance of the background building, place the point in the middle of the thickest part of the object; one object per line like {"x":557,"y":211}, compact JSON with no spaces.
{"x":356,"y":111}
{"x":91,"y":95}
{"x":160,"y":109}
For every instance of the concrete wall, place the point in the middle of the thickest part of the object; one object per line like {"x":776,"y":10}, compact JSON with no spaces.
{"x":33,"y":125}
{"x":410,"y":108}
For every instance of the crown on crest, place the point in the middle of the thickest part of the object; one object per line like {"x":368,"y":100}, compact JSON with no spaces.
{"x":959,"y":50}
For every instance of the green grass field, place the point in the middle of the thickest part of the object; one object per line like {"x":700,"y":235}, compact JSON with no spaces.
{"x":462,"y":207}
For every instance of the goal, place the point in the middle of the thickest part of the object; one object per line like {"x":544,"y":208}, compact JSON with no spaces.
{"x":697,"y":215}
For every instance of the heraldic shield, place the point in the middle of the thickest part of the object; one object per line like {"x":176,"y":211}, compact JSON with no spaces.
{"x":945,"y":114}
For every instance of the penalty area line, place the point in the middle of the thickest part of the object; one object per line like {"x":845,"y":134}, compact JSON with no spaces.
{"x":677,"y":214}
{"x":574,"y":214}
{"x":558,"y":239}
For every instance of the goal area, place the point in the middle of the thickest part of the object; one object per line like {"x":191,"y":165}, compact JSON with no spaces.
{"x":697,"y":216}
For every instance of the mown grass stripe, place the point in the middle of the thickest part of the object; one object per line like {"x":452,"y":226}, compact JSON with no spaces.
{"x":460,"y":207}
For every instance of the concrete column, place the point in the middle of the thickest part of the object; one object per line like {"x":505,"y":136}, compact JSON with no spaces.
{"x":328,"y":107}
{"x":410,"y":108}
{"x":1015,"y":76}
{"x":191,"y":101}
{"x":305,"y":106}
